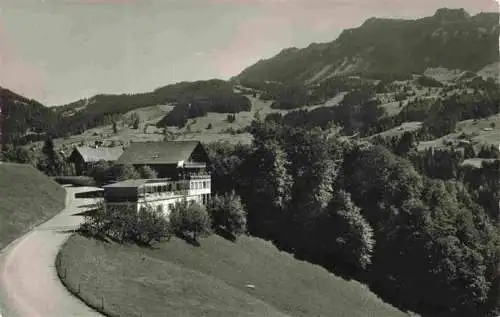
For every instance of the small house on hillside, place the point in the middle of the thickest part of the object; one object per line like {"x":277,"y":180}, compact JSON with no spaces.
{"x":83,"y":157}
{"x":170,"y":159}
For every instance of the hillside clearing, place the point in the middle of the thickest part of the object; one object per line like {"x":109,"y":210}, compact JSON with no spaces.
{"x":219,"y":278}
{"x":27,"y":198}
{"x":401,"y":129}
{"x":195,"y":129}
{"x":480,"y":132}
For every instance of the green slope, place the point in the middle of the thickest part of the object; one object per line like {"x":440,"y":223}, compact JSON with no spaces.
{"x":27,"y":198}
{"x":177,"y":279}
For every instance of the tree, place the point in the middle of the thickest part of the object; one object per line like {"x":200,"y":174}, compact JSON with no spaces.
{"x":102,"y":172}
{"x":190,"y":220}
{"x":209,"y":126}
{"x":405,"y":144}
{"x":125,"y":172}
{"x":152,"y":226}
{"x":145,"y":171}
{"x":231,"y":118}
{"x":115,"y":128}
{"x":342,"y":232}
{"x":51,"y":162}
{"x":469,"y":151}
{"x":135,"y":120}
{"x":227,"y":212}
{"x":266,"y":186}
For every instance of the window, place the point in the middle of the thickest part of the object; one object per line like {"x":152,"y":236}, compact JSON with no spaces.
{"x":159,"y":208}
{"x":170,"y":206}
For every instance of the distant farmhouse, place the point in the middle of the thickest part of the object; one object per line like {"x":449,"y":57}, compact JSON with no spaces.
{"x":84,"y":157}
{"x":181,"y":168}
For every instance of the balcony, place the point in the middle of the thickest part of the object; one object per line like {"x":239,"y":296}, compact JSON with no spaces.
{"x":199,"y":176}
{"x":194,"y":165}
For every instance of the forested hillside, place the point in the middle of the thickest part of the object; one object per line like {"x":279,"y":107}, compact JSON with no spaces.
{"x":24,"y":118}
{"x":422,"y":238}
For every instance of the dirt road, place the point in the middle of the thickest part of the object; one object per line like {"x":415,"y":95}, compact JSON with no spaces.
{"x":29,"y":286}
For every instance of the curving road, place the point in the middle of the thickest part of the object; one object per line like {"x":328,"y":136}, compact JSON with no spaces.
{"x":29,"y":285}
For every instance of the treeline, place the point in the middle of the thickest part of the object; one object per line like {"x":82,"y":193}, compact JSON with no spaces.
{"x":297,"y":95}
{"x":199,"y":107}
{"x":447,"y":164}
{"x":359,"y":111}
{"x":423,"y":244}
{"x":441,"y":116}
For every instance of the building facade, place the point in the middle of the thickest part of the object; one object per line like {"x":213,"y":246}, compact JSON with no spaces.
{"x":160,"y":194}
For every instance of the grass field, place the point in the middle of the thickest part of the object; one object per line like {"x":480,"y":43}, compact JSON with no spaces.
{"x":400,"y":129}
{"x":479,"y":132}
{"x":177,"y":279}
{"x":27,"y":198}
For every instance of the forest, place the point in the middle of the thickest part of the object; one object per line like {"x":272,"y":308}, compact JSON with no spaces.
{"x":425,"y":242}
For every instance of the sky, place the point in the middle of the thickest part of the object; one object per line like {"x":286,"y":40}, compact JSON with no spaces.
{"x":59,"y":51}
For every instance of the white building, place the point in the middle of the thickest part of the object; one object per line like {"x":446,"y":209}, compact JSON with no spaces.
{"x":161,"y":194}
{"x":182,"y":170}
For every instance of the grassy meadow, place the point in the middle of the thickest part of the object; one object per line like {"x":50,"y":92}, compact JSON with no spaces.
{"x":27,"y":198}
{"x":250,"y":277}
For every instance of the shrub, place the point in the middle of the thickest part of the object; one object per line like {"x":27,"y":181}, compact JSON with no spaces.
{"x":124,"y":223}
{"x":227,"y":212}
{"x":209,"y":126}
{"x":189,"y":220}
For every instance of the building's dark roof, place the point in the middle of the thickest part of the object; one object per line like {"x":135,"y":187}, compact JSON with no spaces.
{"x":166,"y":152}
{"x":90,"y":154}
{"x":132,"y":183}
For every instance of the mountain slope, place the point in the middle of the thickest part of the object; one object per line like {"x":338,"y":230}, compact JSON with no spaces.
{"x":24,"y":118}
{"x":451,"y":38}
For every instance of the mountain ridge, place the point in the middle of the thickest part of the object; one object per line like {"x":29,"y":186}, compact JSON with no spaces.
{"x":451,"y":38}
